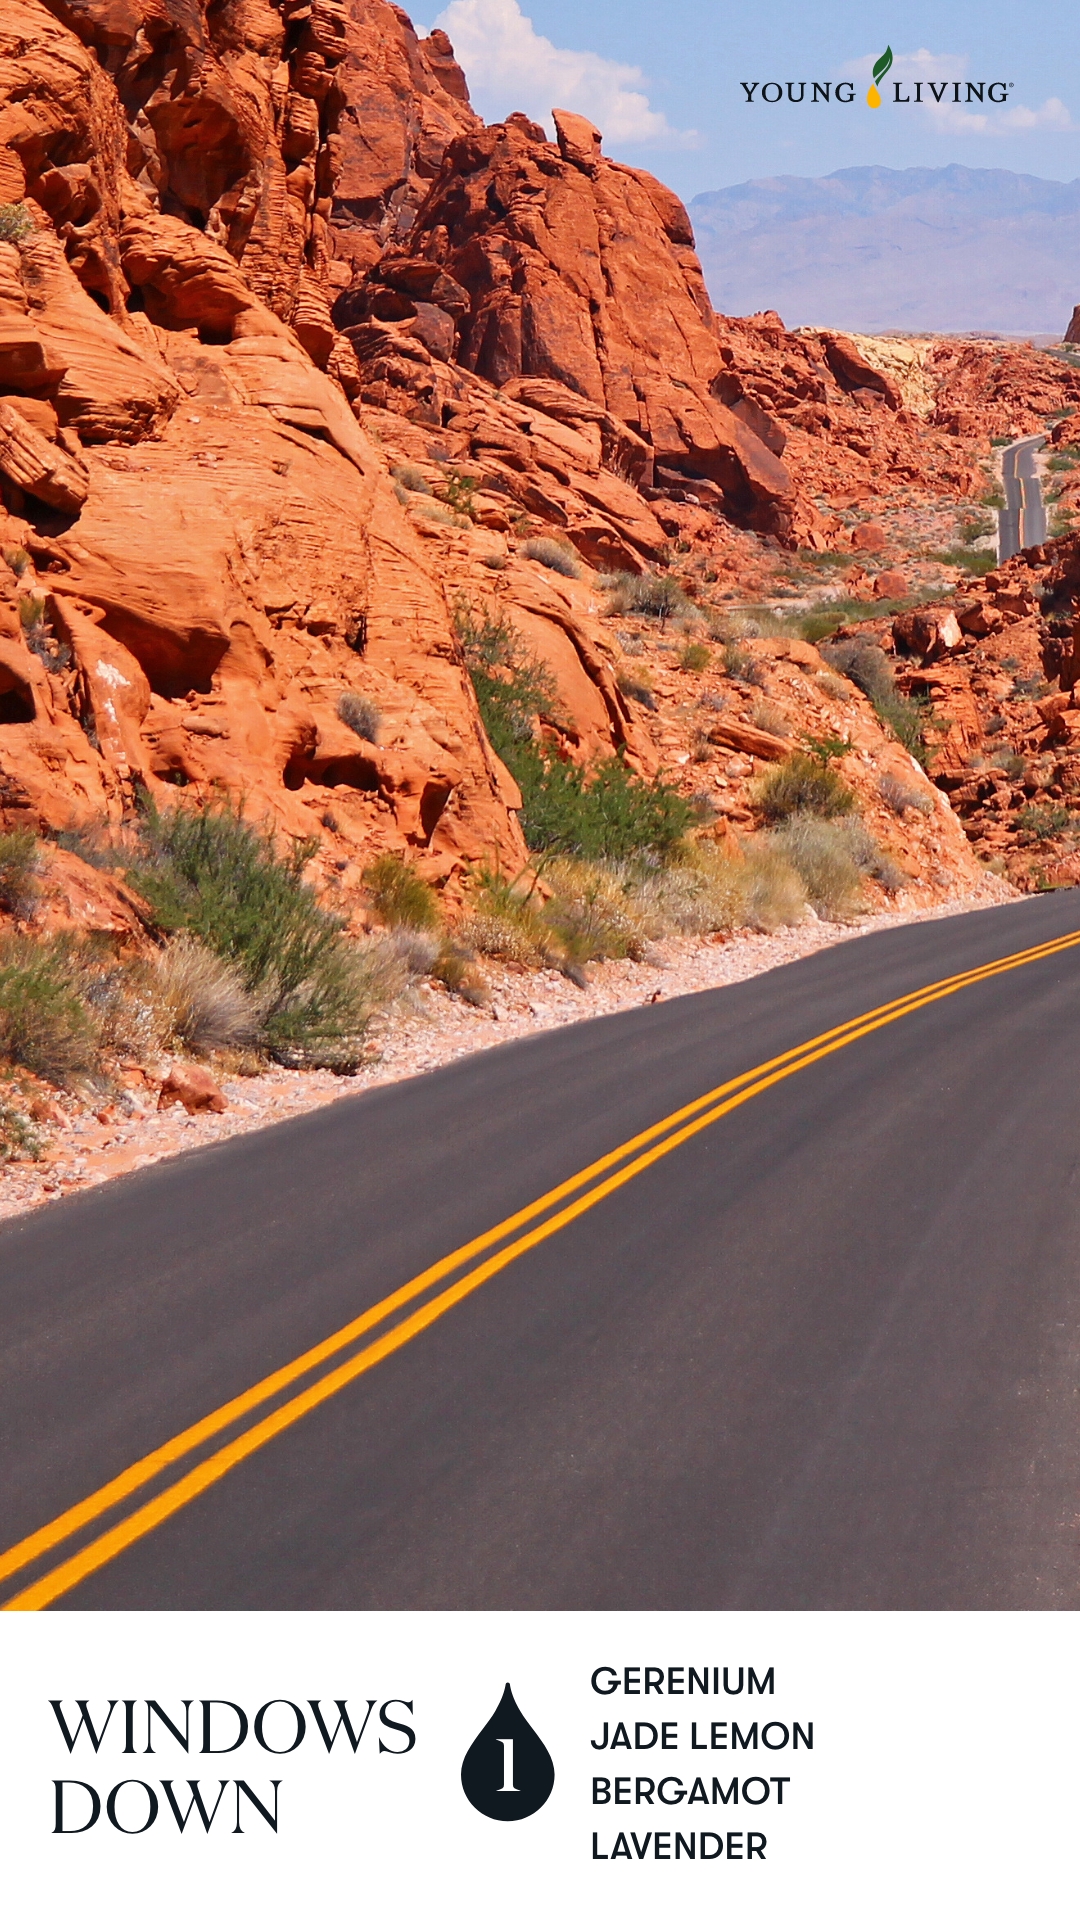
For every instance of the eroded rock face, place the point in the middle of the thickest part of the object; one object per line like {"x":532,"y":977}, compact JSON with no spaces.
{"x":559,"y":265}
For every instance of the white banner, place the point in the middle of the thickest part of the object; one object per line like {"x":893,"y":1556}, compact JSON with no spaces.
{"x":758,"y":1765}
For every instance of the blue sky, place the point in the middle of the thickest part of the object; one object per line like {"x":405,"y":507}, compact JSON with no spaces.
{"x":662,"y":81}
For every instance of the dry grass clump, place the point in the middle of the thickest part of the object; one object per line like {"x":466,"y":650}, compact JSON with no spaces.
{"x":399,"y":895}
{"x":769,"y":719}
{"x":655,"y":595}
{"x":45,"y":1024}
{"x":833,"y":858}
{"x":410,"y":908}
{"x":741,"y":665}
{"x":361,"y":715}
{"x":637,"y":684}
{"x":199,"y":1002}
{"x":695,"y":657}
{"x":409,"y":478}
{"x":553,"y":555}
{"x":20,"y":861}
{"x":803,"y":783}
{"x":904,"y":799}
{"x":592,"y":911}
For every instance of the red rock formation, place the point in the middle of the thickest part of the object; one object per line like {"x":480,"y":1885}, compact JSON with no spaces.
{"x":557,"y":264}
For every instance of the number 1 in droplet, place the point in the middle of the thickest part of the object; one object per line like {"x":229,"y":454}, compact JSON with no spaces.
{"x":508,"y":1767}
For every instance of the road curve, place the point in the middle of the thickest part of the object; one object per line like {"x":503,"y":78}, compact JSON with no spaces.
{"x":819,"y":1349}
{"x":1022,"y":520}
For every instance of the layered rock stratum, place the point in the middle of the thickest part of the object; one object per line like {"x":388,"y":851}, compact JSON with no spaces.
{"x":257,"y":257}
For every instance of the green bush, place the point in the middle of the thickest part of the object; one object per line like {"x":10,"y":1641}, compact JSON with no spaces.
{"x":973,"y":560}
{"x":212,"y":875}
{"x":399,"y":894}
{"x":512,"y":689}
{"x":602,"y":812}
{"x":45,"y":1025}
{"x":19,"y":861}
{"x":458,"y":491}
{"x":802,"y":784}
{"x":1043,"y":821}
{"x":599,"y":812}
{"x":553,"y":555}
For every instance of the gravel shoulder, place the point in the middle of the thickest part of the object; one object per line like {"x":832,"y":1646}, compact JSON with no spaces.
{"x":428,"y":1030}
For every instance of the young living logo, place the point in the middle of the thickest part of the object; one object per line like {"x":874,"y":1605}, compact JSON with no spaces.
{"x":926,"y":92}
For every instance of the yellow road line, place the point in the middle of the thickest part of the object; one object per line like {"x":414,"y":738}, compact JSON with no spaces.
{"x":708,"y":1108}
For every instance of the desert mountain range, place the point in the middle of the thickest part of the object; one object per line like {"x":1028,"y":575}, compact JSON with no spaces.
{"x":939,"y":249}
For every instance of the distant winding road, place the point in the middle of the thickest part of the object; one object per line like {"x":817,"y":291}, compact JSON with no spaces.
{"x":765,"y":1297}
{"x":1022,"y":520}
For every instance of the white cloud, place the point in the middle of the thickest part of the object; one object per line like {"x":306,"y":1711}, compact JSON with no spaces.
{"x":512,"y":68}
{"x":946,"y":116}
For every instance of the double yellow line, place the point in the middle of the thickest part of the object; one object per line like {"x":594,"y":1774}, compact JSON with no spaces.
{"x":501,"y":1244}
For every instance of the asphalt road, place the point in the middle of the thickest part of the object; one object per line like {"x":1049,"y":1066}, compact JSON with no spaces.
{"x":1022,"y":520}
{"x":823,"y":1354}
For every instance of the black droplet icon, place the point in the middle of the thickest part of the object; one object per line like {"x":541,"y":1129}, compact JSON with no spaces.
{"x":507,"y":1772}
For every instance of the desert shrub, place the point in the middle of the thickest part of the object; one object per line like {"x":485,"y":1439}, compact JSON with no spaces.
{"x":361,"y":715}
{"x":17,"y":559}
{"x":19,"y":862}
{"x":45,"y":1025}
{"x":870,"y":857}
{"x":215,"y":877}
{"x":410,"y":478}
{"x":496,"y":562}
{"x":695,"y":657}
{"x":637,"y":685}
{"x":769,"y":719}
{"x":508,"y":924}
{"x":455,"y":967}
{"x":631,"y":643}
{"x":458,"y":490}
{"x":772,"y":890}
{"x":512,"y":688}
{"x":601,"y":812}
{"x":399,"y":895}
{"x":553,"y":555}
{"x":434,"y":510}
{"x":802,"y":784}
{"x":1044,"y":821}
{"x":416,"y":949}
{"x":870,"y":669}
{"x":604,"y":811}
{"x":591,"y":913}
{"x":741,"y":665}
{"x":1011,"y":763}
{"x":821,"y":856}
{"x":15,"y":222}
{"x":198,"y":1001}
{"x":652,"y":594}
{"x":19,"y":1138}
{"x":901,"y":798}
{"x":974,"y":560}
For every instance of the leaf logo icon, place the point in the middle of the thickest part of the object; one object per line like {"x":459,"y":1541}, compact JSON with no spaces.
{"x":881,"y":67}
